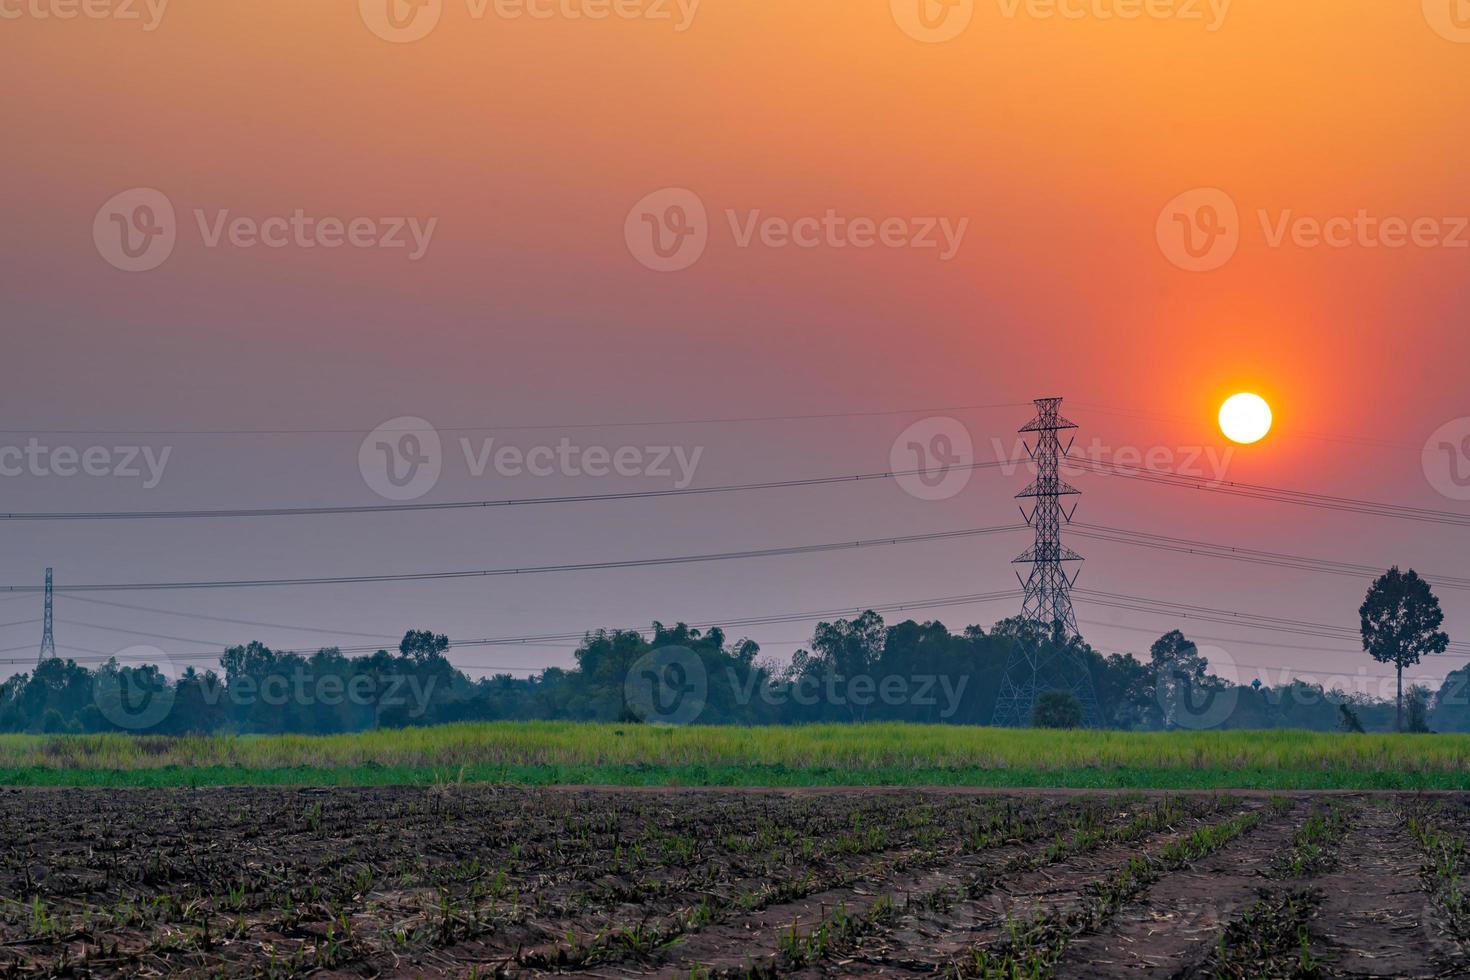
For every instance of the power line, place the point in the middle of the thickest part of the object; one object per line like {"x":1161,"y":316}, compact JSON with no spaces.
{"x":405,"y":508}
{"x":226,"y":619}
{"x":541,"y":639}
{"x":523,"y":427}
{"x":529,"y":570}
{"x":821,"y":614}
{"x":1118,"y":535}
{"x":1097,"y":466}
{"x":1229,"y":616}
{"x":152,"y":636}
{"x":1279,"y":495}
{"x":1205,"y":549}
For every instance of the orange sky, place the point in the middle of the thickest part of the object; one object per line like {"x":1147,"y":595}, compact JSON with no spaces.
{"x":1059,"y":140}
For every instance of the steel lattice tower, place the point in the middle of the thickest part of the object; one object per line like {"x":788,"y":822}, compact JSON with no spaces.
{"x":48,"y":639}
{"x":1034,"y":668}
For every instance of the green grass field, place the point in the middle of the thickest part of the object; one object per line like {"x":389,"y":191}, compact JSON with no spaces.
{"x":821,"y":755}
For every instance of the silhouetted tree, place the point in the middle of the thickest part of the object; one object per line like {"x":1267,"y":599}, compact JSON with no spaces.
{"x":1400,"y":620}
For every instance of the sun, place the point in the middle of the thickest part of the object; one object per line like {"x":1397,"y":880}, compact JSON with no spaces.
{"x":1245,"y":418}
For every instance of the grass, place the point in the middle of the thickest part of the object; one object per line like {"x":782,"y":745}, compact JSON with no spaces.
{"x":541,"y":753}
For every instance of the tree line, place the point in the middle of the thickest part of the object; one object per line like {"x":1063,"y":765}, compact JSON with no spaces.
{"x":854,"y":670}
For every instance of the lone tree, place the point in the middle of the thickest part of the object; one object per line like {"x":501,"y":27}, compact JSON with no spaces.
{"x":1400,"y":623}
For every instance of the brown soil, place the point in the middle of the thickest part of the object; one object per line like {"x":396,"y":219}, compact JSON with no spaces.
{"x":484,"y":881}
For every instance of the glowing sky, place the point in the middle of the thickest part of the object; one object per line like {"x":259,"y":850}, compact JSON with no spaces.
{"x":1055,"y":134}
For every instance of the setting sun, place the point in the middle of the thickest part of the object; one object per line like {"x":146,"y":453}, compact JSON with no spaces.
{"x":1245,"y":418}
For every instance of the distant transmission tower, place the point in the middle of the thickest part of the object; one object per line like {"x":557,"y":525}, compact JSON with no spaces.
{"x":1032,"y":670}
{"x":48,"y":638}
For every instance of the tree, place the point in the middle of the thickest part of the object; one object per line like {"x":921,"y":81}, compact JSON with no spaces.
{"x":847,"y":649}
{"x":1400,"y":620}
{"x":1125,"y":689}
{"x":1057,"y":709}
{"x":1176,"y":654}
{"x":1182,"y":676}
{"x":850,"y":647}
{"x":1417,"y":700}
{"x":423,"y":645}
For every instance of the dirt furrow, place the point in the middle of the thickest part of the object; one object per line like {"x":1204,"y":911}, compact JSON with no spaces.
{"x":843,"y":929}
{"x":632,"y":934}
{"x":1375,"y":918}
{"x":929,"y":942}
{"x":1176,"y":922}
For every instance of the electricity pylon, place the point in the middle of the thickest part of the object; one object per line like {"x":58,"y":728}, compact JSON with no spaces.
{"x":48,"y":638}
{"x":1044,"y":662}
